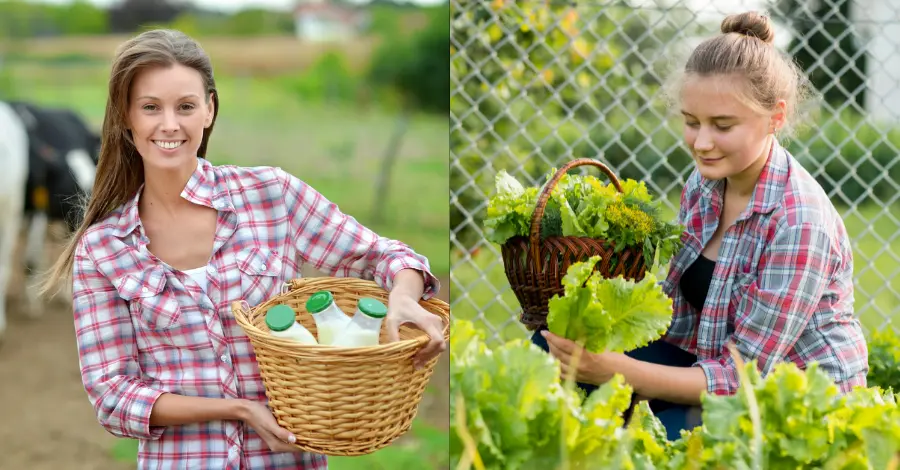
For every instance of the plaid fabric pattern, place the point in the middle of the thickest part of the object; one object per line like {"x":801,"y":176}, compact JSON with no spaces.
{"x":144,"y":328}
{"x":782,"y":289}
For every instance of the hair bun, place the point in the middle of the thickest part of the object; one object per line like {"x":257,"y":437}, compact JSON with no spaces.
{"x":749,"y":24}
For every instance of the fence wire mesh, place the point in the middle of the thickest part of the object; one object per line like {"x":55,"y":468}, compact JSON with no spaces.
{"x":535,"y":84}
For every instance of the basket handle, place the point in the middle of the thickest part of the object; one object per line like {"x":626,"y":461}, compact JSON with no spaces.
{"x":538,"y":215}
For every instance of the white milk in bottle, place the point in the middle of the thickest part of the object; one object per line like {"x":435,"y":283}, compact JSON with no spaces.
{"x":365,"y":327}
{"x":282,"y":323}
{"x":330,"y":320}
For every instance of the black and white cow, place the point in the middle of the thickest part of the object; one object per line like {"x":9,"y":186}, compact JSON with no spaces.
{"x":61,"y":161}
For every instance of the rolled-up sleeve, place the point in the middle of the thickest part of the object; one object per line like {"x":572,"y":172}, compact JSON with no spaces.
{"x":107,"y":354}
{"x":337,"y":244}
{"x":776,"y":306}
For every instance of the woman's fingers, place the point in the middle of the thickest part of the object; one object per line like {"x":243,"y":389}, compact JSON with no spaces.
{"x":277,"y":442}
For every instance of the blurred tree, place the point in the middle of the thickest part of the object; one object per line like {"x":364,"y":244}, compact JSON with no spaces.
{"x":415,"y":68}
{"x":82,"y":18}
{"x":131,"y":15}
{"x":258,"y":22}
{"x":826,"y":48}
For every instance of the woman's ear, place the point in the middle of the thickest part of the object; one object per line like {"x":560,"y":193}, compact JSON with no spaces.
{"x":779,"y":117}
{"x":210,"y":110}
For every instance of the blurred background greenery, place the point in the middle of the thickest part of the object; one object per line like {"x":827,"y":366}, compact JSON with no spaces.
{"x":352,"y":97}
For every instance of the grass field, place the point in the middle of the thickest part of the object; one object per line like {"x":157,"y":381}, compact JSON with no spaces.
{"x":489,"y":301}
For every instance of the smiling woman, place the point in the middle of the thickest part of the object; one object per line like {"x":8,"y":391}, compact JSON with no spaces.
{"x":170,"y":240}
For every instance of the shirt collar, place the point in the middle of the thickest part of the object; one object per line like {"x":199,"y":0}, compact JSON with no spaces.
{"x":204,"y":187}
{"x":770,"y":186}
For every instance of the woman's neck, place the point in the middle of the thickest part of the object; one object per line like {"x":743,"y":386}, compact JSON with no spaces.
{"x":162,"y":189}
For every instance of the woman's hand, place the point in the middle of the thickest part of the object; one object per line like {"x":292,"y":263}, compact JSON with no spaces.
{"x":406,"y":309}
{"x":591,"y":368}
{"x":260,"y":418}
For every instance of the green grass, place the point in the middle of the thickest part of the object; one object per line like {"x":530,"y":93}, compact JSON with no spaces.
{"x":423,"y":447}
{"x":876,"y":277}
{"x":334,"y":147}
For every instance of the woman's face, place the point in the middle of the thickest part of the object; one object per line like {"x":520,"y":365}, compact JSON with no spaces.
{"x":726,"y":137}
{"x":167,"y":112}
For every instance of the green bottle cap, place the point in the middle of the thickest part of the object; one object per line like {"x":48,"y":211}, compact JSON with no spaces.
{"x":280,"y":317}
{"x":319,"y":301}
{"x":372,"y":307}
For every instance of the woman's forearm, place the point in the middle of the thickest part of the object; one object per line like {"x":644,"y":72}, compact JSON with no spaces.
{"x":673,"y":384}
{"x":173,"y":410}
{"x":408,"y":283}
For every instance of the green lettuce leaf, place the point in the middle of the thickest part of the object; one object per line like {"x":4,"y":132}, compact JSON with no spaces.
{"x":608,"y":314}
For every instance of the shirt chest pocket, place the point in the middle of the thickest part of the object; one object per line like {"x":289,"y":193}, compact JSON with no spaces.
{"x":261,"y":274}
{"x":158,"y":312}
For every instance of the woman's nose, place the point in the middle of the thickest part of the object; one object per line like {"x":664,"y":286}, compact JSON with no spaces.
{"x":170,"y":121}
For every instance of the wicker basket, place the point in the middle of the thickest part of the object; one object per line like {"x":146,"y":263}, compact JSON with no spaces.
{"x":340,"y":401}
{"x":535,"y":268}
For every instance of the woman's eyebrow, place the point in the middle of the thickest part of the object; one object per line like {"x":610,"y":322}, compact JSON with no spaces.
{"x":721,"y":117}
{"x":149,"y":97}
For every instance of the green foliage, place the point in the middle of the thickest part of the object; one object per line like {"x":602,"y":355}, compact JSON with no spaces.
{"x":799,"y":421}
{"x":22,"y":19}
{"x":415,"y":67}
{"x":609,"y":314}
{"x":512,"y":412}
{"x":509,"y":406}
{"x":884,"y":360}
{"x":328,"y":79}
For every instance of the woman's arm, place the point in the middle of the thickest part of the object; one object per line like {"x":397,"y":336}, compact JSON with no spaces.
{"x":683,"y":385}
{"x":107,"y":352}
{"x":174,"y":410}
{"x":675,"y":384}
{"x":125,"y":405}
{"x":776,"y":307}
{"x":339,"y":245}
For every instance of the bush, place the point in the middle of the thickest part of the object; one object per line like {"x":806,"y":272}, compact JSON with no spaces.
{"x":329,"y":79}
{"x":416,"y":68}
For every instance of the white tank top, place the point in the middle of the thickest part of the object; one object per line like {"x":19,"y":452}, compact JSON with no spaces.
{"x":199,"y":275}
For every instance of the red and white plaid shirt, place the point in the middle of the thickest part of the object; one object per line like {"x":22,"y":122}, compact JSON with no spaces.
{"x":782,"y":289}
{"x":144,"y":328}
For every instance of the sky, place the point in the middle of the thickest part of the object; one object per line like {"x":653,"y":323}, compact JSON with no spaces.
{"x":234,"y":5}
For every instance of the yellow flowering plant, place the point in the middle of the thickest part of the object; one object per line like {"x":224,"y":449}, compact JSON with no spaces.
{"x":584,"y":206}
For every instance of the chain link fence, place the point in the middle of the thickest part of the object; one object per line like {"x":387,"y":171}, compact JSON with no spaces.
{"x":535,"y":84}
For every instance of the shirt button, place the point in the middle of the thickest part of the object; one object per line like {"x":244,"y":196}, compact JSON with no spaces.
{"x":225,"y":359}
{"x":233,"y":451}
{"x":146,"y":289}
{"x":263,"y":267}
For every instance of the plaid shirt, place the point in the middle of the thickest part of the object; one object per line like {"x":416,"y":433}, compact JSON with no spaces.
{"x":144,"y":328}
{"x":782,"y":289}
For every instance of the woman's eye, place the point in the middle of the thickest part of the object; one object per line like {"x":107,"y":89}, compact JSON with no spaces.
{"x":692,"y":124}
{"x":187,"y":107}
{"x":723,"y":128}
{"x":149,"y":107}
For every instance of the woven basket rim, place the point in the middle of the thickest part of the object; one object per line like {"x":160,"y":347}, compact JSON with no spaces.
{"x":242,"y":312}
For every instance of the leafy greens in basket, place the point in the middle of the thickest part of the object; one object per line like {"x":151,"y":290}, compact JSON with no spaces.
{"x":583,"y":206}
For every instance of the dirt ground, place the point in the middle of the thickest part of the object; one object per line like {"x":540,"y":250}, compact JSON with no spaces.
{"x":46,"y":421}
